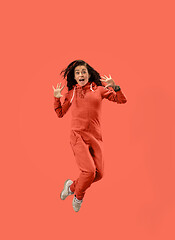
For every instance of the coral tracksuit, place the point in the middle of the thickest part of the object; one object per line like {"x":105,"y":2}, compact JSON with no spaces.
{"x":85,"y":136}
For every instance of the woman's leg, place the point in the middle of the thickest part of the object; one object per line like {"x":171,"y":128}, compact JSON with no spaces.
{"x":96,"y":150}
{"x":85,"y":163}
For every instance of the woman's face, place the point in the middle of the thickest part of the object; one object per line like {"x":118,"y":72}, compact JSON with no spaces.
{"x":81,"y":75}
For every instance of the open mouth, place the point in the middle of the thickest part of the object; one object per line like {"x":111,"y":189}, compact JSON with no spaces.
{"x":81,"y":79}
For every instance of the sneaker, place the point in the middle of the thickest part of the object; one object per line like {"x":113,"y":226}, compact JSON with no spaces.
{"x":66,"y":191}
{"x":76,"y":203}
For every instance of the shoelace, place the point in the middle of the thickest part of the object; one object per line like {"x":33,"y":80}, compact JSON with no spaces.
{"x":77,"y":200}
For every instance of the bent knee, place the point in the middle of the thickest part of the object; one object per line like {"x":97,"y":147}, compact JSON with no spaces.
{"x":100,"y":175}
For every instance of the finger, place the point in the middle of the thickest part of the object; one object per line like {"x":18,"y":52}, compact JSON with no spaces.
{"x":107,"y":86}
{"x":103,"y":80}
{"x":57,"y":85}
{"x":103,"y":77}
{"x":60,"y":85}
{"x":62,"y":88}
{"x":53,"y":87}
{"x":110,"y":76}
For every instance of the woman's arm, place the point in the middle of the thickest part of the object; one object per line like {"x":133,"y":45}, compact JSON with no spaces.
{"x":114,"y":95}
{"x":59,"y":108}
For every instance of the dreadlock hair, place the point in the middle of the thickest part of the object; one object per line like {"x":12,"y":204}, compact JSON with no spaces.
{"x":69,"y":73}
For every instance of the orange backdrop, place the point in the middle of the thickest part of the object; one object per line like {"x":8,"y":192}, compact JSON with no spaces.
{"x":134,"y":42}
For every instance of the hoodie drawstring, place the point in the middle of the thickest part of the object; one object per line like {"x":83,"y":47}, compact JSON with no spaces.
{"x":81,"y":92}
{"x":72,"y":95}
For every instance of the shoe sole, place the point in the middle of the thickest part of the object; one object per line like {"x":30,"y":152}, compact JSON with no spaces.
{"x":64,"y":188}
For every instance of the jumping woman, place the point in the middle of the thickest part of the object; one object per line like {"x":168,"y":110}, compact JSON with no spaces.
{"x":86,"y":90}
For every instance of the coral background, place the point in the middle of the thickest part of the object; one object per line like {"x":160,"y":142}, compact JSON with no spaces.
{"x":134,"y":42}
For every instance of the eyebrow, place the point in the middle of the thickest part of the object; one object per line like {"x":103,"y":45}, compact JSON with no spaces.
{"x":82,"y":69}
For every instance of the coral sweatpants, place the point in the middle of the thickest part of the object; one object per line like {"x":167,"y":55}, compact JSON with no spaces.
{"x":88,"y":152}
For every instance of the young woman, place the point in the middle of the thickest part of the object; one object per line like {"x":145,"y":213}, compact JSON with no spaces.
{"x":84,"y":97}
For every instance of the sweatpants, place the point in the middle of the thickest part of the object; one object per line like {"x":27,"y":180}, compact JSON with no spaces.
{"x":88,"y":152}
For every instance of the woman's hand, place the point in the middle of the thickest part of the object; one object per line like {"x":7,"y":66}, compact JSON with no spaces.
{"x":110,"y":82}
{"x":57,"y":91}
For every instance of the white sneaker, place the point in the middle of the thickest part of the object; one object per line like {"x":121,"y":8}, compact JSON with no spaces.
{"x":66,"y":192}
{"x":76,"y":204}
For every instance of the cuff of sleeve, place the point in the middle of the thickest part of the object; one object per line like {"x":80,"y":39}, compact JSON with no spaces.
{"x":117,"y":88}
{"x":57,"y":99}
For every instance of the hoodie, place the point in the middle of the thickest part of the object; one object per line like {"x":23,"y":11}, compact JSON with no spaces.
{"x":85,"y":102}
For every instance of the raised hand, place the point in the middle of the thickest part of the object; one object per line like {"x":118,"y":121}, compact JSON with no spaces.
{"x":57,"y":91}
{"x":110,"y":82}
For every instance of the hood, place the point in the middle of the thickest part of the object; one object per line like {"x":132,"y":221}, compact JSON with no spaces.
{"x":81,"y":90}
